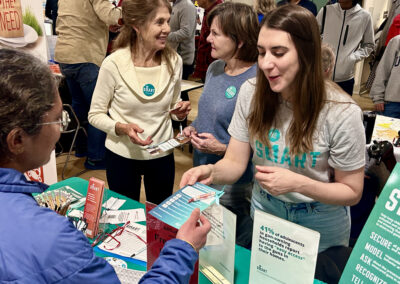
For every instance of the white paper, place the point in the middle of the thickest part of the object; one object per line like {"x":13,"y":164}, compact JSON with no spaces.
{"x":75,"y":214}
{"x":123,"y":216}
{"x":282,"y":251}
{"x":132,"y":242}
{"x":114,"y":203}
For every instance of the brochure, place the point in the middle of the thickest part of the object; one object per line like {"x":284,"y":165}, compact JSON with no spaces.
{"x":92,"y":211}
{"x":176,"y":209}
{"x":282,"y":251}
{"x":376,"y":256}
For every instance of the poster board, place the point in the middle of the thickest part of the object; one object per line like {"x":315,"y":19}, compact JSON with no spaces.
{"x":376,"y":256}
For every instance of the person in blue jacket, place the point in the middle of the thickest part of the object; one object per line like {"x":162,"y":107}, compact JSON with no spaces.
{"x":36,"y":244}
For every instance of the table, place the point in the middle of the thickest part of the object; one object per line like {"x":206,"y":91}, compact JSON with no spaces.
{"x":187,"y":85}
{"x":242,"y":255}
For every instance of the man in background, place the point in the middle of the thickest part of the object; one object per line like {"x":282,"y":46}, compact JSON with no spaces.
{"x":348,"y":29}
{"x":82,"y":28}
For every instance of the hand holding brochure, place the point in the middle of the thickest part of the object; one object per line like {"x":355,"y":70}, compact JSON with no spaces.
{"x":176,"y":209}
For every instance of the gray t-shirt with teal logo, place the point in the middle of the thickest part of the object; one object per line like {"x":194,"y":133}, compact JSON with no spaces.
{"x":339,"y":139}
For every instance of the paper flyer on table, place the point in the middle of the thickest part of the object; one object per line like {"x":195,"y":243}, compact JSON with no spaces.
{"x":217,"y":258}
{"x":282,"y":251}
{"x":123,"y":216}
{"x":130,"y":243}
{"x":176,"y":209}
{"x":376,"y":256}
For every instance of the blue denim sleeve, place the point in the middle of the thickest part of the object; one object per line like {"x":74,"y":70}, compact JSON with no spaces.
{"x":174,"y":265}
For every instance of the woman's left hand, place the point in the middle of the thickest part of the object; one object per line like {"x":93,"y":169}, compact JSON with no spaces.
{"x":181,"y":109}
{"x":278,"y":180}
{"x":207,"y":143}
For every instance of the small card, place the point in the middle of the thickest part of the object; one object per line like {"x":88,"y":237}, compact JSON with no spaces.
{"x":114,"y":203}
{"x":123,"y":216}
{"x":282,"y":251}
{"x":167,"y":145}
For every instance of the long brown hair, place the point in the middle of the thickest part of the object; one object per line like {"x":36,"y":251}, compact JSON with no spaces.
{"x":309,"y":93}
{"x":139,"y":13}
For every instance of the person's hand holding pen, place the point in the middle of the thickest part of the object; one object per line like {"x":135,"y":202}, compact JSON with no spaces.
{"x":132,"y":131}
{"x":181,"y":109}
{"x":194,"y":231}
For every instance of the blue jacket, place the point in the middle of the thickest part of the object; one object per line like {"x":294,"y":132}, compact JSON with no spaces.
{"x":39,"y":246}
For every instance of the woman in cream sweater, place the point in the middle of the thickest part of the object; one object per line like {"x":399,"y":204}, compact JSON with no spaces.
{"x":137,"y":93}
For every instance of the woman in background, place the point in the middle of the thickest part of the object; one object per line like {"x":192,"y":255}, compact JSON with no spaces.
{"x":306,"y":134}
{"x":233,"y":38}
{"x":137,"y":93}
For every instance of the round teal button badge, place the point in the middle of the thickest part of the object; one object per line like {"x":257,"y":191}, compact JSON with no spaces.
{"x":149,"y":90}
{"x":230,"y":92}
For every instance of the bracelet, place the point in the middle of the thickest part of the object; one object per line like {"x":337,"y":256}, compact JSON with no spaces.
{"x":190,"y":244}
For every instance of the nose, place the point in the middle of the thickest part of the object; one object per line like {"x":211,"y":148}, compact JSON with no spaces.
{"x":266,"y":62}
{"x":166,"y":28}
{"x":209,"y":38}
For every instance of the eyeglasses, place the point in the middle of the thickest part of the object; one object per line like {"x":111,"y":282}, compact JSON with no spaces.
{"x":63,"y":121}
{"x":110,"y":239}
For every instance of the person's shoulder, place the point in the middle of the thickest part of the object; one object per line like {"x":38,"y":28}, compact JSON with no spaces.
{"x":338,"y":100}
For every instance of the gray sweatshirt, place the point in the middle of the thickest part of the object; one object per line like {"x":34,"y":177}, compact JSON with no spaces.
{"x":350,"y":33}
{"x":386,"y":86}
{"x":183,"y":27}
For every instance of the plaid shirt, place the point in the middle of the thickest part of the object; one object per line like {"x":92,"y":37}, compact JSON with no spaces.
{"x":204,"y":58}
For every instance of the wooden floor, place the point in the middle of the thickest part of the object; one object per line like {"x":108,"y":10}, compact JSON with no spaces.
{"x":183,"y":159}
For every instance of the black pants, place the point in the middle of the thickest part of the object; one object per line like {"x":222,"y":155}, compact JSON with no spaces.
{"x":125,"y":176}
{"x":347,"y":86}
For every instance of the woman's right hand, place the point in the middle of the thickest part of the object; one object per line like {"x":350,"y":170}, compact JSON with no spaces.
{"x":202,"y":174}
{"x":189,"y":130}
{"x":132,"y":131}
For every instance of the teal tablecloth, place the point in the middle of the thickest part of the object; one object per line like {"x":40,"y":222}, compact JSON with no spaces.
{"x":242,"y":255}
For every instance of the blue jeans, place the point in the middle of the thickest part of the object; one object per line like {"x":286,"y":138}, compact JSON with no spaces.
{"x":81,"y":79}
{"x":392,"y":109}
{"x":331,"y":221}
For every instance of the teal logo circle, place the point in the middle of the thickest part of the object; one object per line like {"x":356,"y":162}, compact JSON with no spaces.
{"x":230,"y":92}
{"x":149,"y":90}
{"x":274,"y":135}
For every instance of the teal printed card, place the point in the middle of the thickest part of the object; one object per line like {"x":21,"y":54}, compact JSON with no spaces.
{"x":376,"y":256}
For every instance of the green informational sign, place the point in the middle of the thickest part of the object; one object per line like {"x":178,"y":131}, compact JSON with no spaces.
{"x":376,"y":255}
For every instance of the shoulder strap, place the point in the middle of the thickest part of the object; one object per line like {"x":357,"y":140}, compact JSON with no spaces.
{"x":323,"y":20}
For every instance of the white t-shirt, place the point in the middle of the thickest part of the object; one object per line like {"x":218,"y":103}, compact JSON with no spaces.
{"x":339,"y":139}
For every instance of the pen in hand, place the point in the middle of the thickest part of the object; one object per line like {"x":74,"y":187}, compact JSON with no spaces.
{"x":202,"y":197}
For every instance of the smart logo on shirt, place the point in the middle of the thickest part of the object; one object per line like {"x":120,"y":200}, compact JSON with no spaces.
{"x":230,"y":92}
{"x":277,"y":155}
{"x":149,"y":90}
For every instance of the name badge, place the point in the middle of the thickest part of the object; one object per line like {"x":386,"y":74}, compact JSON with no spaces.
{"x":149,"y":90}
{"x":230,"y":92}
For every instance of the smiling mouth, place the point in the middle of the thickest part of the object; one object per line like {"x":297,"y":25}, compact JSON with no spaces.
{"x":272,"y":78}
